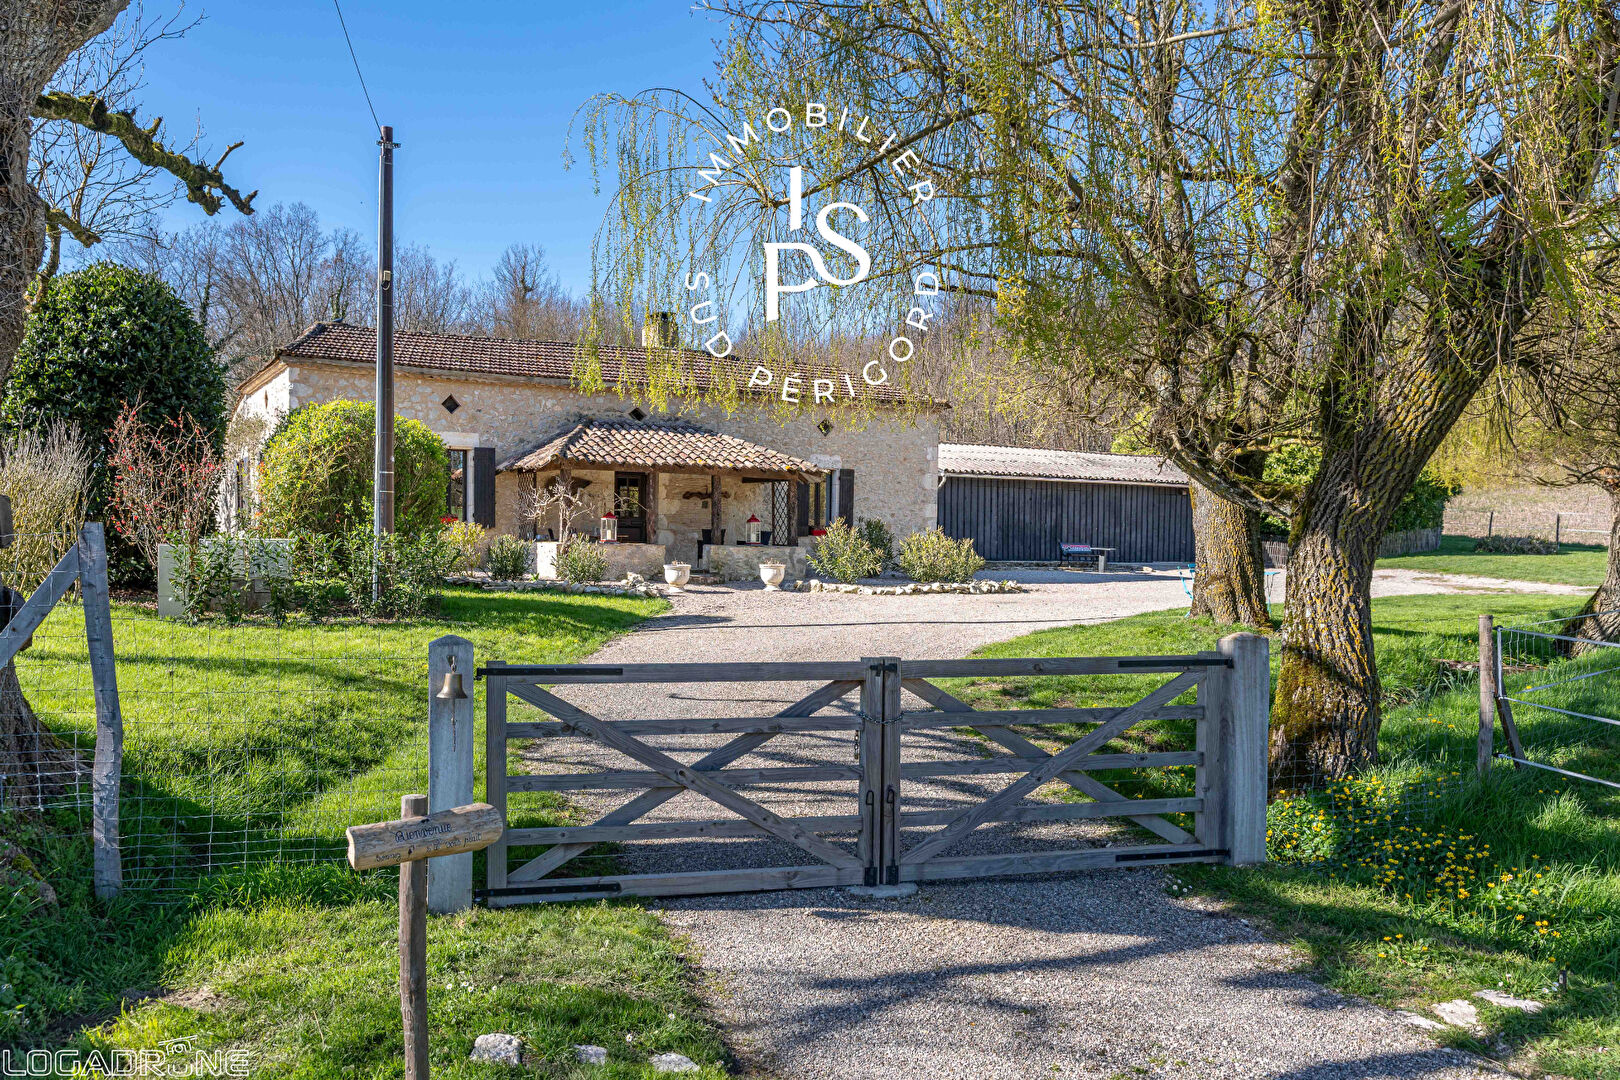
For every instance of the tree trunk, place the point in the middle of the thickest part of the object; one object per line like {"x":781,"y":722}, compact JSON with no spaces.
{"x":22,"y":223}
{"x":1325,"y":719}
{"x":1230,"y":585}
{"x":1603,"y":609}
{"x":36,"y":765}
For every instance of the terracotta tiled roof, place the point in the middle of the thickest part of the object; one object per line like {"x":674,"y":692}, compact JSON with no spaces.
{"x":518,"y":358}
{"x":960,"y":459}
{"x":645,"y":444}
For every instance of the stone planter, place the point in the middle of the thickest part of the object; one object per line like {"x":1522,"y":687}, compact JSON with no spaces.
{"x":677,"y":574}
{"x":256,"y":562}
{"x":772,"y":573}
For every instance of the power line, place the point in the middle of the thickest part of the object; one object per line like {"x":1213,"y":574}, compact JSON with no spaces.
{"x":356,"y":60}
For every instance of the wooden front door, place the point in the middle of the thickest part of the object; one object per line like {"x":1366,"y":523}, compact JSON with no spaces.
{"x":630,"y":503}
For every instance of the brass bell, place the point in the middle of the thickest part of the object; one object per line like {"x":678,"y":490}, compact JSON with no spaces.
{"x":452,"y":689}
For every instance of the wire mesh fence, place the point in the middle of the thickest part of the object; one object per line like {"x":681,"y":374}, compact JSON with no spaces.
{"x":1403,"y":822}
{"x":1568,"y":528}
{"x":244,"y":742}
{"x":1560,"y":682}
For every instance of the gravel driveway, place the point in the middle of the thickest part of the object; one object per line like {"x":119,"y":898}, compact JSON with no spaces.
{"x":1099,"y":975}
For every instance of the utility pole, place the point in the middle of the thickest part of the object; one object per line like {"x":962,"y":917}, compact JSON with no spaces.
{"x":382,"y":513}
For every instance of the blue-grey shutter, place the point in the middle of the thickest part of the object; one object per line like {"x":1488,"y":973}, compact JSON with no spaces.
{"x":482,"y":494}
{"x":846,"y":495}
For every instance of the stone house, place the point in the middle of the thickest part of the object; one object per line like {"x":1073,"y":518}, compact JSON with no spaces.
{"x":516,"y":425}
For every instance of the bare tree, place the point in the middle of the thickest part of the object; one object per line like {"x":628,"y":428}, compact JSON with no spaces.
{"x":430,"y":296}
{"x":523,"y":299}
{"x":93,"y":189}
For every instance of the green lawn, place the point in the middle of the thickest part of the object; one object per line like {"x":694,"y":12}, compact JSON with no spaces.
{"x":258,"y":745}
{"x":1412,"y":883}
{"x":1575,"y":564}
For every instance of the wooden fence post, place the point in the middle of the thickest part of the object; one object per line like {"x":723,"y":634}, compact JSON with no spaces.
{"x":1487,"y":692}
{"x":109,"y":761}
{"x":413,"y":889}
{"x":451,"y":732}
{"x":1245,"y":732}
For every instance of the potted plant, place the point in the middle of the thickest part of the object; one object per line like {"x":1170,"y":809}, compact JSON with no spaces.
{"x":772,"y":573}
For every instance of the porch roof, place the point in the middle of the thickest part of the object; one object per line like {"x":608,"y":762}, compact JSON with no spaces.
{"x":658,"y":446}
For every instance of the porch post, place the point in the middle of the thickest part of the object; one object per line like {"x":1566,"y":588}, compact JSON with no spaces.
{"x":714,"y":507}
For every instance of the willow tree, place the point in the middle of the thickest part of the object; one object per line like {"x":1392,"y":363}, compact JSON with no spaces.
{"x":1555,"y":418}
{"x":1303,"y":222}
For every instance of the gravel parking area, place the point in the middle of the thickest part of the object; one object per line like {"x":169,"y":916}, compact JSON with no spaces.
{"x":1095,"y":975}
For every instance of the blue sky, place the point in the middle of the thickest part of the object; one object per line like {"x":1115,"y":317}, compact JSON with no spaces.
{"x":480,"y":95}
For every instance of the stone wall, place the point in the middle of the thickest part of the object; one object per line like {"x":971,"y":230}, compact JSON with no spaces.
{"x":894,"y":455}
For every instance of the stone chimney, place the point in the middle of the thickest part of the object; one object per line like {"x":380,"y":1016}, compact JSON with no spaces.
{"x":660,"y":331}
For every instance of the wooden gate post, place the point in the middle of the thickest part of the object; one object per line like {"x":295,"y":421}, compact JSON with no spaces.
{"x":450,"y":762}
{"x":109,"y":761}
{"x":880,"y":770}
{"x":1487,"y":692}
{"x":1244,"y":732}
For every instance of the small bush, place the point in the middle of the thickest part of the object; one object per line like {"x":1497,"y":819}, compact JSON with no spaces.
{"x":878,"y":534}
{"x":581,"y":561}
{"x":1515,"y":545}
{"x":508,"y":558}
{"x":467,"y":540}
{"x":932,"y":556}
{"x":845,"y":554}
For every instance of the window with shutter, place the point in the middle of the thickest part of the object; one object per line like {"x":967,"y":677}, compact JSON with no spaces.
{"x":846,"y":495}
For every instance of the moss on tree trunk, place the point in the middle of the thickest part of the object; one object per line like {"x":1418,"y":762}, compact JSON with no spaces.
{"x":1230,"y":585}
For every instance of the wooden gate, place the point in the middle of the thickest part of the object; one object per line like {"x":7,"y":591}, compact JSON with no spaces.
{"x":875,"y":839}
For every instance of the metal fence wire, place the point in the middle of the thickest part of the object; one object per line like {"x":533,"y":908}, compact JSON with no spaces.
{"x":1560,"y":681}
{"x":243,"y":743}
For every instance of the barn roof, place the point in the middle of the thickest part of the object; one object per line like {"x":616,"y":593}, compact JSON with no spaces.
{"x":674,"y":446}
{"x":524,"y":359}
{"x":1019,"y":462}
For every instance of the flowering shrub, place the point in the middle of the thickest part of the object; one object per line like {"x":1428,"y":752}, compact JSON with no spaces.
{"x":845,"y":554}
{"x":930,"y":555}
{"x":467,"y":539}
{"x":165,"y":481}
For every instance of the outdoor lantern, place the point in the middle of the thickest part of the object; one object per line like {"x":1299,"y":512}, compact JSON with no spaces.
{"x":753,"y":529}
{"x":609,"y":531}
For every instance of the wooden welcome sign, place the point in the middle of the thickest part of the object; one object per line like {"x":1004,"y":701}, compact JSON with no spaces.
{"x":408,"y":843}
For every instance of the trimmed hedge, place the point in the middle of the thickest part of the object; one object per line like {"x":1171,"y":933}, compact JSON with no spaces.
{"x":315,"y":475}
